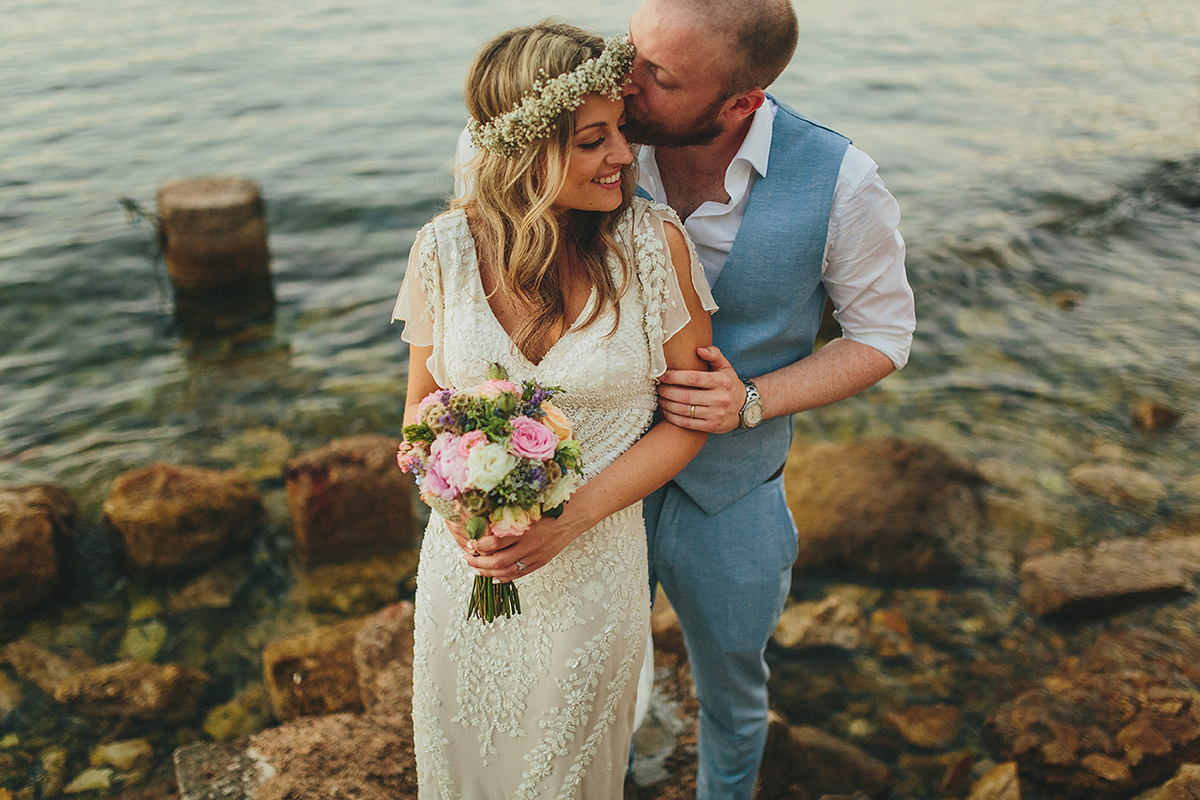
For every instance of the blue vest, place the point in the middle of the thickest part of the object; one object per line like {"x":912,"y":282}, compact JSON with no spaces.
{"x":771,"y":299}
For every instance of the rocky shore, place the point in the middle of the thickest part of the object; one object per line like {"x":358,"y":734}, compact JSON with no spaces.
{"x":939,"y":642}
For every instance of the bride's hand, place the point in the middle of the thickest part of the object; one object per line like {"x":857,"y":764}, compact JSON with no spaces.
{"x":507,"y":559}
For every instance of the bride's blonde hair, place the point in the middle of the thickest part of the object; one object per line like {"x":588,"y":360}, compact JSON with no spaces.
{"x":511,"y":199}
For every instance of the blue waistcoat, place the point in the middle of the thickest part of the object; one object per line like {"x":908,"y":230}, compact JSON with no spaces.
{"x":771,"y":299}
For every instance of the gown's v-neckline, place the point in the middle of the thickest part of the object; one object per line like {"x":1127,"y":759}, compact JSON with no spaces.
{"x":473,"y":265}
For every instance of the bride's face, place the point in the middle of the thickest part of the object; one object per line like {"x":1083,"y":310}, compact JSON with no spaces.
{"x":597,"y":154}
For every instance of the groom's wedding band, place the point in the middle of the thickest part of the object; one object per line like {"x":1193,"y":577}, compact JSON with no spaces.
{"x":520,"y":567}
{"x":692,"y":412}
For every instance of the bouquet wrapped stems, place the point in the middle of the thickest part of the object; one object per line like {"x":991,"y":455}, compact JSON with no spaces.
{"x":491,"y":599}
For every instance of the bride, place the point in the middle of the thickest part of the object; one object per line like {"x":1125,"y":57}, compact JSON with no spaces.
{"x":551,"y":267}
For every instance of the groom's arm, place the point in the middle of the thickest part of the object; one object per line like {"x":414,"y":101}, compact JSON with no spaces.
{"x":865,"y":278}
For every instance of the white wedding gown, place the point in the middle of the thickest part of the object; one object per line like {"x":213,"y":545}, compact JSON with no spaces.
{"x":540,"y":705}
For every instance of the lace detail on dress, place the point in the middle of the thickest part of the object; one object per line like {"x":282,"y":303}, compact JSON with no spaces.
{"x":541,"y":705}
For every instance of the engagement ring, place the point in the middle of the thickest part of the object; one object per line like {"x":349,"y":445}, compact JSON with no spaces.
{"x":520,"y":567}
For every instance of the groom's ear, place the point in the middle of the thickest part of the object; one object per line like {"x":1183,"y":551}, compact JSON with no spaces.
{"x":740,"y":106}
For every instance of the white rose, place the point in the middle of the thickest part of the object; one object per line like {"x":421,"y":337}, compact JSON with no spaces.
{"x":559,"y":492}
{"x":487,"y":464}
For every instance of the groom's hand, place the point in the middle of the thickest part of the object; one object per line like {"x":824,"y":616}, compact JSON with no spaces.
{"x":703,"y":401}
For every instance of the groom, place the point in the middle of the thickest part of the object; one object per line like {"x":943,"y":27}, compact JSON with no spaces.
{"x":784,"y":213}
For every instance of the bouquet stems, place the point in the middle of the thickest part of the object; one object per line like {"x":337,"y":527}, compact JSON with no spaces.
{"x":490,"y":600}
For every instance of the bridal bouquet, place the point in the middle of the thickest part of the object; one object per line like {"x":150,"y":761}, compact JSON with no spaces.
{"x":496,"y":458}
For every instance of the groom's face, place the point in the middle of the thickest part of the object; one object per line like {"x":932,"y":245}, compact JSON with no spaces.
{"x":675,"y":94}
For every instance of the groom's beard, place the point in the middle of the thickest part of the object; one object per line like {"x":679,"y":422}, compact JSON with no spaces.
{"x":703,"y":129}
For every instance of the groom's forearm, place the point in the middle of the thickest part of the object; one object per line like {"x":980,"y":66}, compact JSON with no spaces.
{"x":838,"y":370}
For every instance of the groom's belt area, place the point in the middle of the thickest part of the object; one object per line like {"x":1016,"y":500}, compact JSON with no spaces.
{"x":776,"y":473}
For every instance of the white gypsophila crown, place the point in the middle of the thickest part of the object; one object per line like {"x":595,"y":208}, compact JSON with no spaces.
{"x":509,"y":134}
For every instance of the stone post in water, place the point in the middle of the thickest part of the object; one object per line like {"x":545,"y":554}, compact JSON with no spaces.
{"x":214,"y":238}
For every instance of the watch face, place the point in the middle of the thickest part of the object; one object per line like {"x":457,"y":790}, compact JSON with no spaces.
{"x":752,"y":414}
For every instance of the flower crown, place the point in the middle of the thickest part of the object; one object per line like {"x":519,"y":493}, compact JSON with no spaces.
{"x":509,"y":134}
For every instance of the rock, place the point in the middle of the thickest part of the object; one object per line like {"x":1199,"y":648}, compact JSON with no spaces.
{"x":54,"y":770}
{"x":999,"y":783}
{"x":1151,"y":415}
{"x":832,"y":622}
{"x":883,"y":507}
{"x":214,"y":589}
{"x":172,"y":519}
{"x":359,"y":587}
{"x":123,"y":756}
{"x":1103,"y":729}
{"x":248,"y":712}
{"x":1184,"y":786}
{"x":928,"y":726}
{"x":383,"y":659}
{"x":1089,"y":580}
{"x":256,"y":454}
{"x":90,"y":780}
{"x":219,"y":772}
{"x":890,"y":633}
{"x":799,"y":757}
{"x":39,"y":666}
{"x":349,"y":501}
{"x":143,"y":642}
{"x":10,"y":696}
{"x":338,"y":755}
{"x":35,"y":523}
{"x":168,"y":692}
{"x":1118,"y":484}
{"x":313,"y":673}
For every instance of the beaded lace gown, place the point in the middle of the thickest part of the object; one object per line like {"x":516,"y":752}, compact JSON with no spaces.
{"x":540,"y":705}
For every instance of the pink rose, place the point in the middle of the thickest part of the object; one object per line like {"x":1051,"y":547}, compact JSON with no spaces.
{"x":469,"y":440}
{"x":448,"y":463}
{"x":532,"y":439}
{"x":493,"y":389}
{"x":512,"y":521}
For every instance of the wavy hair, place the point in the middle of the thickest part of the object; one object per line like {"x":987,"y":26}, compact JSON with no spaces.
{"x":534,"y":249}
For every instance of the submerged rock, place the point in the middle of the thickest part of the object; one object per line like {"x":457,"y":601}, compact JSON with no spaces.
{"x":1122,"y":718}
{"x":349,"y":501}
{"x":172,"y":519}
{"x":35,"y":522}
{"x":884,"y":507}
{"x":998,"y":783}
{"x":816,"y":763}
{"x":1118,"y":484}
{"x":927,"y":726}
{"x":1085,"y":581}
{"x":168,"y":692}
{"x":832,"y":622}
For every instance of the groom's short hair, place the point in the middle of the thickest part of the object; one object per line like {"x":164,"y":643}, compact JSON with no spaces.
{"x":763,"y":35}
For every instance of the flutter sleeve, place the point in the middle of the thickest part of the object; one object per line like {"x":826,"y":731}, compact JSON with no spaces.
{"x":666,"y":309}
{"x":419,"y":303}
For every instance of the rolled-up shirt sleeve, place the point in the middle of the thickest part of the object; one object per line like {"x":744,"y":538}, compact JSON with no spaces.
{"x":864,"y":270}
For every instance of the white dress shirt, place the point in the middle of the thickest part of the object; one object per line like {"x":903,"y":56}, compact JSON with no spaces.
{"x":863,"y":268}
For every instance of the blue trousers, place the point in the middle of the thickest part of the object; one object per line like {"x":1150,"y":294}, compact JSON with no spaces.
{"x":727,"y":577}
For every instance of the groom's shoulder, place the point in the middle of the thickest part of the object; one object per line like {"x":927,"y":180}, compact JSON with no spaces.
{"x":789,"y":119}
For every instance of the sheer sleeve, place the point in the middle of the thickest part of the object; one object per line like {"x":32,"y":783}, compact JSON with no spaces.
{"x":419,"y":303}
{"x":666,"y":309}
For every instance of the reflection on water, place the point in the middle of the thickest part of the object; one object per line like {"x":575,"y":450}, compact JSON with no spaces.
{"x":1045,"y":160}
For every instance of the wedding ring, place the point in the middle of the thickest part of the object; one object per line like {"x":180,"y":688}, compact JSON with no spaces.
{"x":521,"y":567}
{"x":692,"y":412}
{"x":475,"y":553}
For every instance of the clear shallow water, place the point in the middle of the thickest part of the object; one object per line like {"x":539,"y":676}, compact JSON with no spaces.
{"x":1025,"y":141}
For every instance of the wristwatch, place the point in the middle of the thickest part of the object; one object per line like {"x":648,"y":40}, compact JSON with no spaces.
{"x":752,"y":410}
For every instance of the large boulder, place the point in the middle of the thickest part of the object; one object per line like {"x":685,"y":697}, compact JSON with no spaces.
{"x":172,"y":519}
{"x":884,"y":507}
{"x":349,"y":501}
{"x":35,"y":522}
